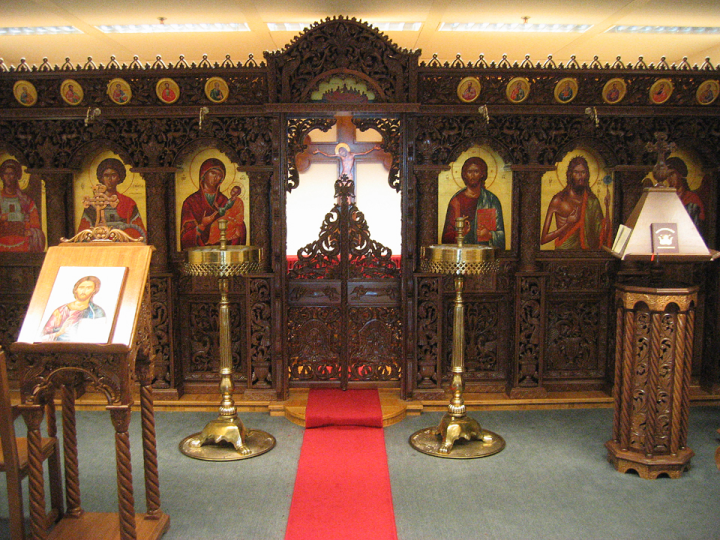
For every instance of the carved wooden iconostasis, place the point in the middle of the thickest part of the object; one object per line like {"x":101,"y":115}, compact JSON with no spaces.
{"x":341,"y":301}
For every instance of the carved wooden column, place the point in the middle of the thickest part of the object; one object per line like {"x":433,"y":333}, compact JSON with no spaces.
{"x":426,"y":378}
{"x":427,"y":194}
{"x":260,"y":220}
{"x":157,"y":180}
{"x":58,"y":189}
{"x":530,"y":315}
{"x":653,"y":361}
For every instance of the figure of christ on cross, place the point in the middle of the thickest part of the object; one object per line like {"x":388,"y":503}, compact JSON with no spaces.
{"x":346,"y":150}
{"x":347,"y":158}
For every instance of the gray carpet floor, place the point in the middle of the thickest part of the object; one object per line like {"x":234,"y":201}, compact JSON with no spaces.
{"x":552,"y":481}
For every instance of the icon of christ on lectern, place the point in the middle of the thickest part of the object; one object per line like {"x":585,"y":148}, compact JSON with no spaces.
{"x":87,"y":317}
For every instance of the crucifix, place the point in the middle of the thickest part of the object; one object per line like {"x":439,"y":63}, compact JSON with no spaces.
{"x":346,"y":151}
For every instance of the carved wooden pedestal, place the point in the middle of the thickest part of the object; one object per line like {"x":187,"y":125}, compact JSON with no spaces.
{"x":653,"y":360}
{"x":111,"y":368}
{"x":112,"y":371}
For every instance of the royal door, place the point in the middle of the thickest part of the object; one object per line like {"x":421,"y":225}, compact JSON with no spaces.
{"x":344,"y":313}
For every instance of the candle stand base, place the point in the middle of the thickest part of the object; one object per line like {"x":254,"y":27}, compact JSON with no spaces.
{"x":472,"y":441}
{"x":226,"y":439}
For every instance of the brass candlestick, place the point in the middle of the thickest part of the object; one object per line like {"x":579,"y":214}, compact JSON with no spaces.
{"x":225,"y":438}
{"x":458,"y":260}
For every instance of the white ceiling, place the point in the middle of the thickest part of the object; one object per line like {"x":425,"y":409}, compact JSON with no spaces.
{"x":602,"y":14}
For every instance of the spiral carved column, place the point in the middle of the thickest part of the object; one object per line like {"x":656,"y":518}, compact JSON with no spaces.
{"x":72,"y":479}
{"x":120,"y":415}
{"x":152,"y":479}
{"x":654,"y":346}
{"x":33,"y":415}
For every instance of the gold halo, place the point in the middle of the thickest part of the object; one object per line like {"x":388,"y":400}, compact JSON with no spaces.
{"x":24,"y":180}
{"x":695,"y":175}
{"x":489,"y":158}
{"x":231,"y":172}
{"x":656,"y":87}
{"x":341,"y":145}
{"x":593,"y":167}
{"x":524,"y":83}
{"x":129,"y":176}
{"x":569,"y":81}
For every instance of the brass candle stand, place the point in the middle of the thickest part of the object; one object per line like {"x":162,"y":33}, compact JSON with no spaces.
{"x":458,"y":260}
{"x":225,"y":438}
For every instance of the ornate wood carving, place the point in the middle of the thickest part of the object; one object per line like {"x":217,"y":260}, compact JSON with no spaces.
{"x":298,"y":129}
{"x":42,"y":372}
{"x":201,"y":346}
{"x":52,"y":139}
{"x":429,"y":331}
{"x":314,"y":343}
{"x":259,"y":331}
{"x":575,"y":339}
{"x":578,"y":275}
{"x":655,"y":334}
{"x":529,"y":330}
{"x":162,"y":325}
{"x":345,"y":280}
{"x":389,"y":128}
{"x":346,"y":46}
{"x":344,"y":231}
{"x":428,"y":206}
{"x":710,"y":372}
{"x":485,"y":352}
{"x":375,"y":344}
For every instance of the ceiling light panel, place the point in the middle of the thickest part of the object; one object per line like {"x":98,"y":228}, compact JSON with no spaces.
{"x":643,"y":29}
{"x":512,"y":27}
{"x":38,"y":30}
{"x":382,"y":26}
{"x":172,"y":28}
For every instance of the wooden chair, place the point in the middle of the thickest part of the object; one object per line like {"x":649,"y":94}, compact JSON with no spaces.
{"x":14,"y":459}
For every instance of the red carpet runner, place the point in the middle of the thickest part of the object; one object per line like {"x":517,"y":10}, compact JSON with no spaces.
{"x":342,"y":490}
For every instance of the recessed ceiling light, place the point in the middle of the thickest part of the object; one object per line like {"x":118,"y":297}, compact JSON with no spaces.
{"x":288,"y":26}
{"x":382,"y":26}
{"x":397,"y":26}
{"x":38,"y":30}
{"x":172,"y":28}
{"x":512,"y":27}
{"x":644,"y":29}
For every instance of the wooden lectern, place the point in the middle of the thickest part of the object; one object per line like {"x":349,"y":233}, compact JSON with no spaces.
{"x":109,"y":355}
{"x":654,"y":339}
{"x":653,"y":361}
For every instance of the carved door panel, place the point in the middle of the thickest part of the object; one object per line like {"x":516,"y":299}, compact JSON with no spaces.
{"x":344,"y":316}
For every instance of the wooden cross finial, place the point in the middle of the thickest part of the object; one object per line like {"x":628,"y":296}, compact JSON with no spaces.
{"x":663,"y":148}
{"x":100,"y":200}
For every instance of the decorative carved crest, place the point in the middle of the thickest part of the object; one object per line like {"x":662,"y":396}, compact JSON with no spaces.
{"x":342,"y":46}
